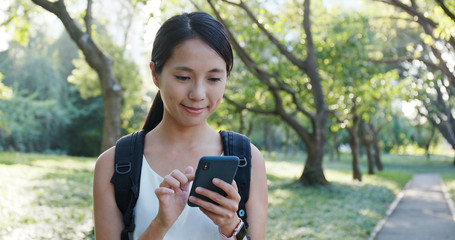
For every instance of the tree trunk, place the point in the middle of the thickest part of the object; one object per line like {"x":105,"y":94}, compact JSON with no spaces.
{"x":268,"y":137}
{"x":356,"y":174}
{"x":98,"y":61}
{"x":313,"y":173}
{"x":353,"y":143}
{"x":427,"y":150}
{"x":334,"y":146}
{"x":315,"y":140}
{"x":428,"y":142}
{"x":377,"y":153}
{"x":287,"y":142}
{"x":370,"y":160}
{"x":367,"y":139}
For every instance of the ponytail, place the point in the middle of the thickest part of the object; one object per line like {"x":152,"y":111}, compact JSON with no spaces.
{"x":155,"y":114}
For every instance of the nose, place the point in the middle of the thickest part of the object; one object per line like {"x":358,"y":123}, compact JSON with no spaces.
{"x":197,"y":91}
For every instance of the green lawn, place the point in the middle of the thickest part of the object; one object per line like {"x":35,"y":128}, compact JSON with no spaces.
{"x":50,"y":196}
{"x":45,"y":196}
{"x":346,"y":209}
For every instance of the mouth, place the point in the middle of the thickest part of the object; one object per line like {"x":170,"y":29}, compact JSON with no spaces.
{"x":194,"y":110}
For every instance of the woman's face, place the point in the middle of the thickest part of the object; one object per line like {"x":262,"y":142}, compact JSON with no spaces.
{"x":191,"y":83}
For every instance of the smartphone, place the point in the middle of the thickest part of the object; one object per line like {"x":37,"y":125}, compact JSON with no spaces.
{"x":210,"y":167}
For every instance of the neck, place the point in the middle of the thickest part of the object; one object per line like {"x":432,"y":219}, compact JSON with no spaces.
{"x":186,"y":135}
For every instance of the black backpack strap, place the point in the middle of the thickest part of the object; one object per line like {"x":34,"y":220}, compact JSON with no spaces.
{"x":127,"y":175}
{"x":235,"y":144}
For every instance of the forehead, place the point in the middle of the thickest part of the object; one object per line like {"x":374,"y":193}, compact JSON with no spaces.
{"x":195,"y":54}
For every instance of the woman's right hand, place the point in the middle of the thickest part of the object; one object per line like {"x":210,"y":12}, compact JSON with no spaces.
{"x":173,"y":196}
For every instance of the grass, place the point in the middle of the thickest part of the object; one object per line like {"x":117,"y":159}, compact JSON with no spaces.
{"x":45,"y":196}
{"x":346,"y":209}
{"x":50,"y":196}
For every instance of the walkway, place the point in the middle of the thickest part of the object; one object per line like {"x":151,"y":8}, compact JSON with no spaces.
{"x":422,"y":211}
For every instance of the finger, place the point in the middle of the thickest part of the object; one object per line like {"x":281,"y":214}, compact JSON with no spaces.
{"x":234,"y":184}
{"x":170,"y":182}
{"x":230,"y":190}
{"x":230,"y":204}
{"x":208,"y":206}
{"x":179,"y":176}
{"x":189,"y":173}
{"x":163,"y":191}
{"x":220,"y":218}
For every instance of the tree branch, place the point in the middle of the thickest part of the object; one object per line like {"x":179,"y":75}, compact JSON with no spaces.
{"x":426,"y":23}
{"x":441,"y":66}
{"x":311,"y":67}
{"x":265,"y":78}
{"x":446,"y":10}
{"x":88,"y":18}
{"x":244,"y":107}
{"x":291,"y":57}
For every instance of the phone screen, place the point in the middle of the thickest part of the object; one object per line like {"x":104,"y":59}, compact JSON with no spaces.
{"x":209,"y":167}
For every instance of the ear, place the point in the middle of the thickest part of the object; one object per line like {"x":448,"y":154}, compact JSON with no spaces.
{"x":155,"y":75}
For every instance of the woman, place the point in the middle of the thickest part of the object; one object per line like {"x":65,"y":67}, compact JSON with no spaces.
{"x":191,"y":61}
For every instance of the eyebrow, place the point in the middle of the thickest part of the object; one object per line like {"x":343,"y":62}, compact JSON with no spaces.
{"x":183,"y":68}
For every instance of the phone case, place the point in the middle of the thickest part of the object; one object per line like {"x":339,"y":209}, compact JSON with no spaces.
{"x":209,"y":167}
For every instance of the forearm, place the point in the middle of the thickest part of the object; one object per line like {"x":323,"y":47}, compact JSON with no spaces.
{"x":155,"y":231}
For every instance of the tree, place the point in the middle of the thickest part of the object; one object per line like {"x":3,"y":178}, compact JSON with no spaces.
{"x":431,"y":55}
{"x":99,"y":61}
{"x":358,"y":89}
{"x":34,"y":116}
{"x":287,"y":102}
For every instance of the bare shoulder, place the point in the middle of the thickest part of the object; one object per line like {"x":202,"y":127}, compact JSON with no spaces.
{"x":256,"y":156}
{"x":108,"y":218}
{"x":105,"y":164}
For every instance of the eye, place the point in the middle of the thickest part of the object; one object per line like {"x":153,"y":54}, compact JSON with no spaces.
{"x":214,"y":79}
{"x":183,"y":78}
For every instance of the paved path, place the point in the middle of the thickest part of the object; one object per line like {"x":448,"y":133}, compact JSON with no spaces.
{"x":423,"y":213}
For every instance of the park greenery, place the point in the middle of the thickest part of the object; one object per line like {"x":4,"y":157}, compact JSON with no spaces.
{"x":351,"y":101}
{"x":309,"y":77}
{"x":47,"y":196}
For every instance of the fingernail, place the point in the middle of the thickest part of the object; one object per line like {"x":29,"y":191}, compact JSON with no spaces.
{"x":216,"y":180}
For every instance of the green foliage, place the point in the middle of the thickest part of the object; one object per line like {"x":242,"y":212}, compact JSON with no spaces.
{"x":126,"y":73}
{"x":34,"y":115}
{"x":34,"y":127}
{"x":18,"y":19}
{"x":357,"y":87}
{"x":46,"y":113}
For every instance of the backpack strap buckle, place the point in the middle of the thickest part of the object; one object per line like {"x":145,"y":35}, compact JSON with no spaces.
{"x":123,"y":168}
{"x":243,"y":162}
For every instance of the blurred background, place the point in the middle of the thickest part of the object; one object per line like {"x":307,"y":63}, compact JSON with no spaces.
{"x":327,"y":86}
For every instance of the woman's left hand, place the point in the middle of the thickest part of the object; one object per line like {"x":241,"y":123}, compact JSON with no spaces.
{"x":225,"y":214}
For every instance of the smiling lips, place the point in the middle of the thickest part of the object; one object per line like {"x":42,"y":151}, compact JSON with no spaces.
{"x":193,"y":110}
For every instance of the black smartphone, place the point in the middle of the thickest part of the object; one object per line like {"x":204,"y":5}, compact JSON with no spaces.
{"x":210,"y":167}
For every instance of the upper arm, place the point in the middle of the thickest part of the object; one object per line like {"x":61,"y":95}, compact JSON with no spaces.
{"x":257,"y":203}
{"x":108,"y":218}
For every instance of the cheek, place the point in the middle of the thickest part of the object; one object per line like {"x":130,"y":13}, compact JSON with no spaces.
{"x":217,"y":95}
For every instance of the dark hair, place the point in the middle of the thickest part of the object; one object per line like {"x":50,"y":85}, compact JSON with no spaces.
{"x":173,"y":32}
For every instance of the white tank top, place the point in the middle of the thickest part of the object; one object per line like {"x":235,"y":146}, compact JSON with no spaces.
{"x":192,"y":224}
